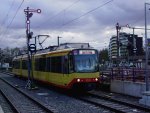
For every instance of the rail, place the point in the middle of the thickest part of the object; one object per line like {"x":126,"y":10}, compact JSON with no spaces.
{"x":117,"y":100}
{"x":111,"y":104}
{"x":41,"y":105}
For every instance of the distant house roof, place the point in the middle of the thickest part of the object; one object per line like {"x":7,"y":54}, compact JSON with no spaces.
{"x":73,"y":45}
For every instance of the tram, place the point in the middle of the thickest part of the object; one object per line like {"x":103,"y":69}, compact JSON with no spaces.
{"x":65,"y":67}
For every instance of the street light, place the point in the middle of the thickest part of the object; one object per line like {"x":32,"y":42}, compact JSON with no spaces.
{"x":146,"y":56}
{"x":134,"y":41}
{"x":118,"y":29}
{"x":58,"y":40}
{"x":146,"y":43}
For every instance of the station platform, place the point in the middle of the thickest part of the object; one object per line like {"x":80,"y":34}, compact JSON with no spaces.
{"x":145,"y":98}
{"x":136,"y":89}
{"x":1,"y":110}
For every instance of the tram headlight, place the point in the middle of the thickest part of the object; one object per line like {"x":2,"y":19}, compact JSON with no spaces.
{"x":96,"y":79}
{"x":78,"y":80}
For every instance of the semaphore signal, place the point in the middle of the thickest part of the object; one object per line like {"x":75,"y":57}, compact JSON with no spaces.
{"x":29,"y":14}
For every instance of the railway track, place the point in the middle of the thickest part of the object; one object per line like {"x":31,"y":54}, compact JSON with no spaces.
{"x":22,"y":102}
{"x":112,"y":105}
{"x":7,"y":72}
{"x":127,"y":103}
{"x":5,"y":105}
{"x":67,"y":104}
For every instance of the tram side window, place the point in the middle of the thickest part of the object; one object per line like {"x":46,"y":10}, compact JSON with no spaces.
{"x":24,"y":64}
{"x":48,"y":60}
{"x":71,"y":64}
{"x":16,"y":64}
{"x":65,"y":65}
{"x":13,"y":64}
{"x":52,"y":64}
{"x":42,"y":64}
{"x":56,"y":64}
{"x":59,"y":64}
{"x":36,"y":64}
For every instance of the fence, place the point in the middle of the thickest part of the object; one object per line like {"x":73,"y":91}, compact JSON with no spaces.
{"x":132,"y":74}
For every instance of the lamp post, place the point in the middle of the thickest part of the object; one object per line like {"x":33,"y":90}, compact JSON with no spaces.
{"x":134,"y":40}
{"x":118,"y":29}
{"x":133,"y":28}
{"x":146,"y":44}
{"x":58,"y":40}
{"x":146,"y":49}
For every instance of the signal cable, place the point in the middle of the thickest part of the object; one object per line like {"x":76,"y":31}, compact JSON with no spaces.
{"x":5,"y":18}
{"x":52,"y":17}
{"x":13,"y":18}
{"x":86,"y":13}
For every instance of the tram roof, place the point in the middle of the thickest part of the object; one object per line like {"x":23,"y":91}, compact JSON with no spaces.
{"x":58,"y":49}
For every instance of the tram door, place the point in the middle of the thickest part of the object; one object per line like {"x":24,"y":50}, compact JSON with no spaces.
{"x":67,"y":64}
{"x":65,"y":67}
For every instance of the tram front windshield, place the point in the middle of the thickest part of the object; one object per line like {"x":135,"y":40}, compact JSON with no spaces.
{"x":86,"y":62}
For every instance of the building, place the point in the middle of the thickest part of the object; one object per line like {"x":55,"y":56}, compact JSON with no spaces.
{"x":128,"y":47}
{"x":4,"y":66}
{"x":138,"y":45}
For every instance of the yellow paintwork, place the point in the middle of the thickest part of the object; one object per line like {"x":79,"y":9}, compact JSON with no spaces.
{"x":58,"y":78}
{"x":17,"y":71}
{"x":54,"y":78}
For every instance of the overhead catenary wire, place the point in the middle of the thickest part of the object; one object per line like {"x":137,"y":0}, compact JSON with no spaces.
{"x":84,"y":13}
{"x":52,"y":17}
{"x":5,"y":18}
{"x":11,"y":20}
{"x":75,"y":19}
{"x":15,"y":14}
{"x":62,"y":11}
{"x":8,"y":26}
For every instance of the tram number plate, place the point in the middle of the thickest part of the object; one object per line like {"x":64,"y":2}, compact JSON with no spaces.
{"x":88,"y":80}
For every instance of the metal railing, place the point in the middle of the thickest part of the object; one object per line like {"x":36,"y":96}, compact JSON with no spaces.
{"x":123,"y":74}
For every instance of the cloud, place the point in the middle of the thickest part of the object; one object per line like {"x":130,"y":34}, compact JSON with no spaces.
{"x":96,"y":27}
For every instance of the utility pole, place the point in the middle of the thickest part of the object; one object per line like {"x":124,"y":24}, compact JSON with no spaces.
{"x":146,"y":48}
{"x":29,"y":13}
{"x":118,"y":29}
{"x":146,"y":53}
{"x":0,"y":58}
{"x":134,"y":47}
{"x":58,"y":40}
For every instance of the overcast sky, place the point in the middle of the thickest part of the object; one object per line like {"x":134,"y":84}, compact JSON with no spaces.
{"x":91,"y":21}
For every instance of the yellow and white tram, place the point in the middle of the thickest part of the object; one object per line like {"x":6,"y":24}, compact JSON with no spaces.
{"x":66,"y":68}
